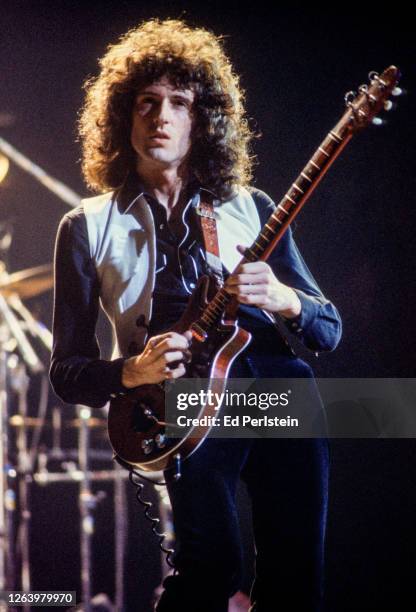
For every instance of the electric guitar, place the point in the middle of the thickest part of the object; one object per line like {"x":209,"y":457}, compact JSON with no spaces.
{"x":136,"y":422}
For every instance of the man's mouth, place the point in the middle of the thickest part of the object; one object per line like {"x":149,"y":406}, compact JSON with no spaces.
{"x":160,"y":136}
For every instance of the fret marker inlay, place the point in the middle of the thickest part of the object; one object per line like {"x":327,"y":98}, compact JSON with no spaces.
{"x":335,"y":137}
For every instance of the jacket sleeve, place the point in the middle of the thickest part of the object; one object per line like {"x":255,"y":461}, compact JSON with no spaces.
{"x":319,"y":324}
{"x":77,"y":373}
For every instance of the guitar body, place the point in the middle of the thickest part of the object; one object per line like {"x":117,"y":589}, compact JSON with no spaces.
{"x":136,"y":421}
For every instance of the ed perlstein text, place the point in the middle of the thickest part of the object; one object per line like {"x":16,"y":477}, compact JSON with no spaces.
{"x":261,"y":401}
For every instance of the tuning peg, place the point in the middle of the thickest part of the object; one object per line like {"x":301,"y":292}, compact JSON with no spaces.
{"x":397,"y":91}
{"x":377,"y":121}
{"x":388,"y":105}
{"x":349,"y":98}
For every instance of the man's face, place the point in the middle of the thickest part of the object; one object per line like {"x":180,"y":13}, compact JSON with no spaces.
{"x":161,"y":125}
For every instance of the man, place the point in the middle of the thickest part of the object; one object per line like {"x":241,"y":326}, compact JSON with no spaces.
{"x":163,"y":124}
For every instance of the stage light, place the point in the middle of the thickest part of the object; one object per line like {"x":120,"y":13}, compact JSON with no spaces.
{"x":4,"y":167}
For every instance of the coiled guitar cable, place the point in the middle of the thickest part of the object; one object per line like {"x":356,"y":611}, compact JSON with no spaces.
{"x":133,"y":477}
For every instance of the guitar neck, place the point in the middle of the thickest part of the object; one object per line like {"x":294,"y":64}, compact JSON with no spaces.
{"x":299,"y":192}
{"x":287,"y":209}
{"x":360,"y":111}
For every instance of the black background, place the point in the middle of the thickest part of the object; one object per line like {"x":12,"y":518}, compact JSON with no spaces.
{"x":356,"y":234}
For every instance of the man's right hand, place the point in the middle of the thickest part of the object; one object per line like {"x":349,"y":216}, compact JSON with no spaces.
{"x":152,"y":365}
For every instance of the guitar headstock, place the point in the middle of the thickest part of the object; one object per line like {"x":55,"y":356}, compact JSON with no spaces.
{"x":371,"y":99}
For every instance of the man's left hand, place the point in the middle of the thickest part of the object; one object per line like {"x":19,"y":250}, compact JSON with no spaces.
{"x":256,"y":284}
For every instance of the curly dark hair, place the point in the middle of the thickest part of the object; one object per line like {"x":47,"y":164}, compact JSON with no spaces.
{"x":188,"y":57}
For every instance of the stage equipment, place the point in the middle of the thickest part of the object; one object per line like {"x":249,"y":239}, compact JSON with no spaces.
{"x":4,"y":167}
{"x":62,"y":191}
{"x":27,"y":283}
{"x":76,"y":463}
{"x":16,"y":464}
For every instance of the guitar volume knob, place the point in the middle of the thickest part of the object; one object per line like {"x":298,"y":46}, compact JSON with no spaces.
{"x":146,"y":410}
{"x":160,"y":440}
{"x":147,"y":446}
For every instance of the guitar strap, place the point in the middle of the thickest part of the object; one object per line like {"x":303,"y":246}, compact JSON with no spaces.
{"x":208,"y":217}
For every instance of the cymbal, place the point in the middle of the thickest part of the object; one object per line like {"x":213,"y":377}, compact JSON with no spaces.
{"x":17,"y":420}
{"x":27,"y":283}
{"x":91,"y":422}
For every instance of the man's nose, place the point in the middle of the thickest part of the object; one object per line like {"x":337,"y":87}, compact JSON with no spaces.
{"x":162,"y":113}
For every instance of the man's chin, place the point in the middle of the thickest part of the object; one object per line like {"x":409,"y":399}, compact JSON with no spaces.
{"x":156,"y":150}
{"x":161,"y":157}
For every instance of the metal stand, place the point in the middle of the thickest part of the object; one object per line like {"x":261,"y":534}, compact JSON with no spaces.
{"x":12,"y":335}
{"x":120,"y":525}
{"x":20,"y":385}
{"x":86,"y":503}
{"x":6,"y":507}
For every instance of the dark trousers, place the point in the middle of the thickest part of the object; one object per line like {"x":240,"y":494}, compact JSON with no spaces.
{"x":287,"y":481}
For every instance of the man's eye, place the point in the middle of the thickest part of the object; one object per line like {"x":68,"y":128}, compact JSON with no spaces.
{"x":145,"y":101}
{"x":180,"y":102}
